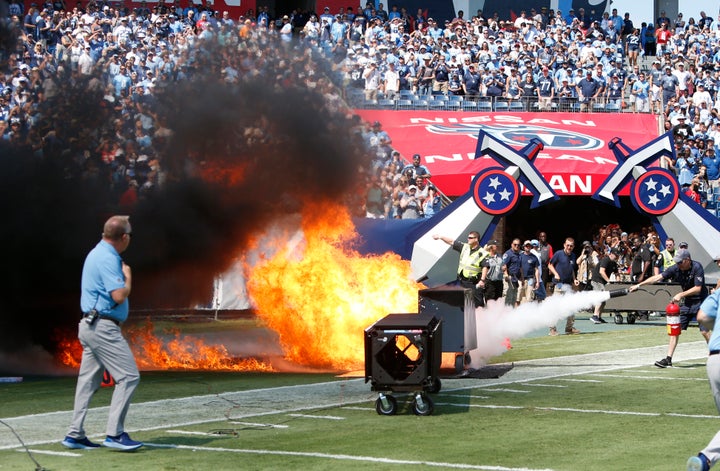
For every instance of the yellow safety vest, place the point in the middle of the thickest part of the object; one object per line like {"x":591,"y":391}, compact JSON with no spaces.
{"x":469,"y":266}
{"x":667,"y":259}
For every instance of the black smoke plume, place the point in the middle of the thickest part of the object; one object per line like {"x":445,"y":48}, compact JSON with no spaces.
{"x":233,"y":157}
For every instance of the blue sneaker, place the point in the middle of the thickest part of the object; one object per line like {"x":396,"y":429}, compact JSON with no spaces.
{"x":78,"y":443}
{"x":122,"y":442}
{"x":698,"y":463}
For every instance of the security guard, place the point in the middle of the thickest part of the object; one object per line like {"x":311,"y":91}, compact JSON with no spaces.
{"x":469,"y":269}
{"x":667,"y":256}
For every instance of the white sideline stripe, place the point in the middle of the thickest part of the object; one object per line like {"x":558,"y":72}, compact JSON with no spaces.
{"x":358,"y":408}
{"x":309,"y":416}
{"x":505,"y":390}
{"x":582,"y":411}
{"x":53,"y":453}
{"x":371,"y":459}
{"x":571,"y":380}
{"x":672,"y":378}
{"x":466,"y":396}
{"x":540,"y":385}
{"x":159,"y":445}
{"x":191,"y":432}
{"x":252,"y":424}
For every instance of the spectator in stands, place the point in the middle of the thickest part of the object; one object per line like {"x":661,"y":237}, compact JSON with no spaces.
{"x":588,"y":89}
{"x":471,"y":82}
{"x":374,"y":205}
{"x":391,"y":82}
{"x":372,"y":78}
{"x":682,"y":130}
{"x":641,"y":93}
{"x":410,"y":204}
{"x":566,"y":94}
{"x":615,"y":93}
{"x":432,"y":202}
{"x":669,"y":84}
{"x":711,"y":162}
{"x":545,"y":90}
{"x":415,"y":170}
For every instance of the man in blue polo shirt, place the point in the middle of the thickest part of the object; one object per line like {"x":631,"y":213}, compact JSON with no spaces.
{"x":708,"y":318}
{"x":105,"y":286}
{"x":563,"y":265}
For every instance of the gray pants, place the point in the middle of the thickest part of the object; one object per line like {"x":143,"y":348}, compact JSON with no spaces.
{"x":104,"y":347}
{"x":712,"y":450}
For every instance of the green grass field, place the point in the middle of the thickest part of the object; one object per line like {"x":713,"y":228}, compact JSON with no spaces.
{"x":586,"y":402}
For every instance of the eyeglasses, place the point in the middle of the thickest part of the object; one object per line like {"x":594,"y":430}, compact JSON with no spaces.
{"x":129,"y":234}
{"x":516,"y":245}
{"x":472,"y":237}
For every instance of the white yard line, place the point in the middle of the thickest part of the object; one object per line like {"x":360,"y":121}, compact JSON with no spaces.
{"x":51,"y":452}
{"x":663,"y":378}
{"x":325,"y":417}
{"x":253,"y":424}
{"x":369,"y":459}
{"x":540,"y":385}
{"x":581,"y":411}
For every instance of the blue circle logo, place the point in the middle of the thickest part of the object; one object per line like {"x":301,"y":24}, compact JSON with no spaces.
{"x":655,"y":192}
{"x":495,"y":192}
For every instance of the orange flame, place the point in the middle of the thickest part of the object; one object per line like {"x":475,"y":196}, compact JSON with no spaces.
{"x":321,"y":300}
{"x":178,"y":353}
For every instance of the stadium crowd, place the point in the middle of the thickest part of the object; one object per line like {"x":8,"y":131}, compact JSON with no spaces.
{"x":543,"y":58}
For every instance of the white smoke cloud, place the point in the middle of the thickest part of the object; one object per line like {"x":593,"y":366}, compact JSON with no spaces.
{"x":498,"y":323}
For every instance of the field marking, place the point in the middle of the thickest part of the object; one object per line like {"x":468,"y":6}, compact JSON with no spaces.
{"x":191,"y":432}
{"x":582,"y":411}
{"x":541,"y":385}
{"x":572,"y":380}
{"x":309,"y":416}
{"x":357,"y":408}
{"x":53,"y":453}
{"x":370,"y":459}
{"x":253,"y":424}
{"x":159,"y":445}
{"x":506,"y":390}
{"x":466,"y":396}
{"x":673,"y":378}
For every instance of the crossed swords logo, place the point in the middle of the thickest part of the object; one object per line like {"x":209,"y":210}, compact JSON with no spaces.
{"x":496,"y":190}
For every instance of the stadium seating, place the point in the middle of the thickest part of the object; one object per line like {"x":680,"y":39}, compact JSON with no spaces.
{"x":404,"y":104}
{"x":469,"y":105}
{"x":386,"y":104}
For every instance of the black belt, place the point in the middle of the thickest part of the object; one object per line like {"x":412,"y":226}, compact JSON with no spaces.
{"x":107,"y":318}
{"x":714,"y":352}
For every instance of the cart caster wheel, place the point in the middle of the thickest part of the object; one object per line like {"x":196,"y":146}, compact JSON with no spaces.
{"x":435,"y":386}
{"x":631,"y":318}
{"x":422,"y":405}
{"x":618,"y":319}
{"x":459,"y":363}
{"x":386,"y":405}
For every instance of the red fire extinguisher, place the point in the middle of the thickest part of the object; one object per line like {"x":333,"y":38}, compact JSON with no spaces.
{"x":672,"y":313}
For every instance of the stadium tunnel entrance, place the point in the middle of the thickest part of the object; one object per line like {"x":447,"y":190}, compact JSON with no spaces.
{"x":578,"y":217}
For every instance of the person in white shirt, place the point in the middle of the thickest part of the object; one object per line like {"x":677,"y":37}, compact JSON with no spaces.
{"x":702,"y":96}
{"x":682,"y":75}
{"x":392,"y":82}
{"x":85,"y":62}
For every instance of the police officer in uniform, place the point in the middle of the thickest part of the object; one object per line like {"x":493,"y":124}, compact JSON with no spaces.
{"x":469,"y":267}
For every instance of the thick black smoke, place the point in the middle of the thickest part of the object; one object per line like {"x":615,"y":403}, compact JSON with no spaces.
{"x":234,"y":158}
